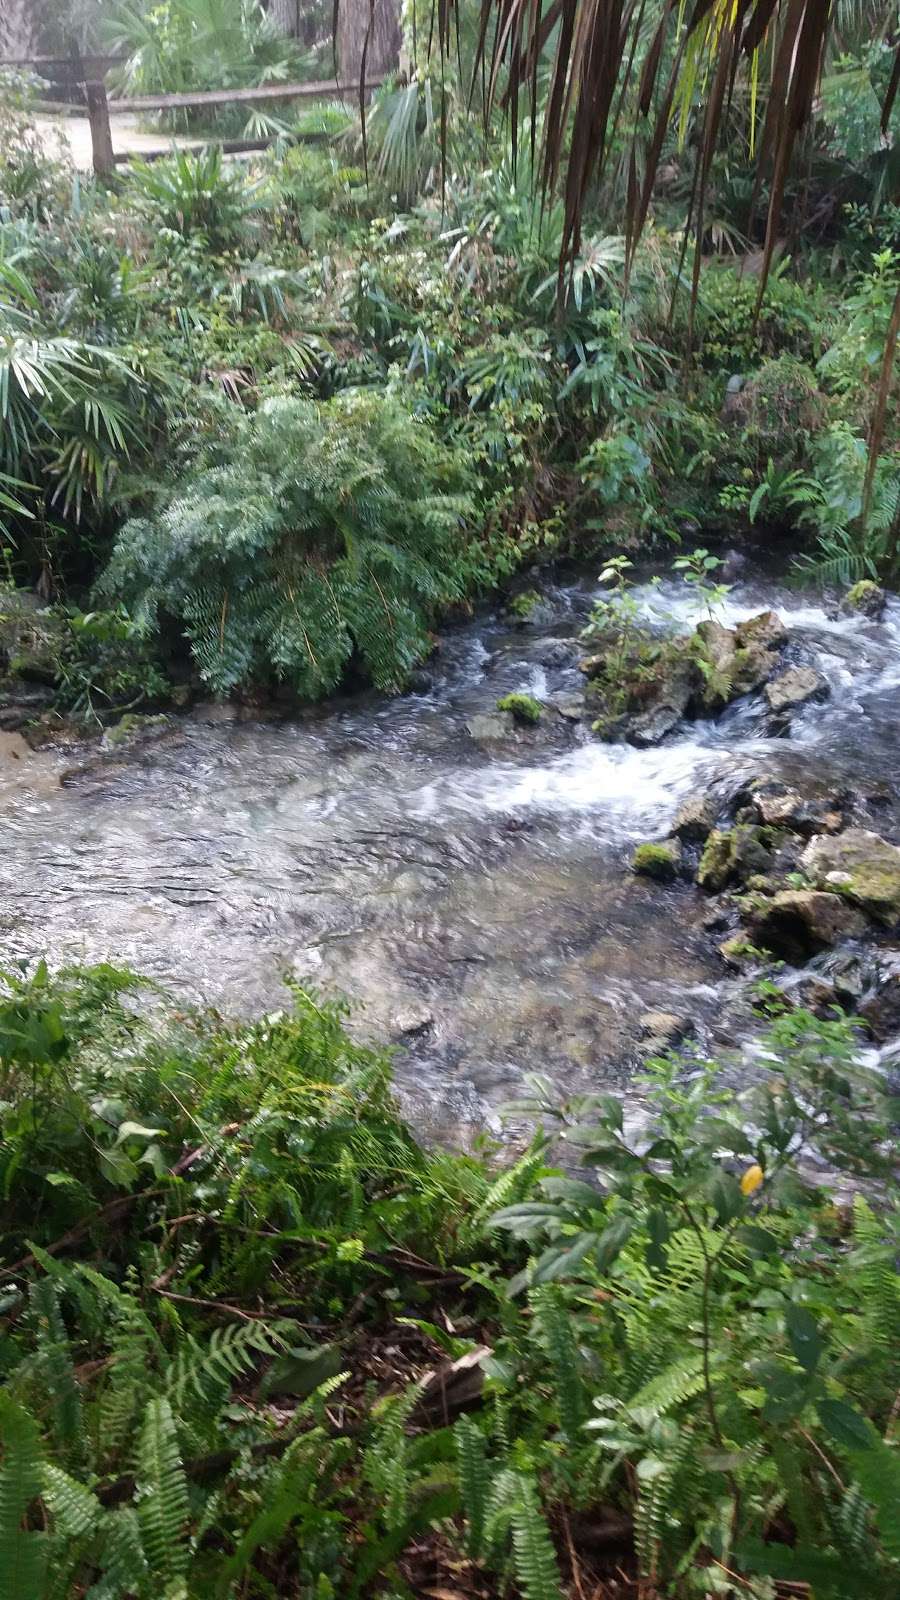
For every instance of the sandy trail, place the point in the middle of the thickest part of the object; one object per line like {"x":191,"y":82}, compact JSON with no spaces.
{"x":71,"y":136}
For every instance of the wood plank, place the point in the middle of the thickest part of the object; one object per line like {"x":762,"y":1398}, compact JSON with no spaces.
{"x":227,"y":97}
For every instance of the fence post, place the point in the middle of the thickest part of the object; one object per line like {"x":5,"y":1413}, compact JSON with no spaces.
{"x":101,"y":137}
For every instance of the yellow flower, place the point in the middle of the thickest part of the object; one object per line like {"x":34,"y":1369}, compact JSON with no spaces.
{"x":752,"y":1179}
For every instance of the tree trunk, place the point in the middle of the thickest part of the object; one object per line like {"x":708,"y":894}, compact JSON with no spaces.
{"x":285,"y":15}
{"x":17,"y":28}
{"x":383,"y":54}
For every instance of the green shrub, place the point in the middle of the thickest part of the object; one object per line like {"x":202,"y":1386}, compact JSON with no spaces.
{"x":304,"y":536}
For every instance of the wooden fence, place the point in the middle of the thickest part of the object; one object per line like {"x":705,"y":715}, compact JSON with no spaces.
{"x":85,"y":75}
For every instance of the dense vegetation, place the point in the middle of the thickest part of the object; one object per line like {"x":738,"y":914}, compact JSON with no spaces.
{"x":256,"y":1341}
{"x":262,"y":426}
{"x":417,"y":414}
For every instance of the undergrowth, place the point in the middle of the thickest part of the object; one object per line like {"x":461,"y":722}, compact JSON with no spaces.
{"x":257,"y":1341}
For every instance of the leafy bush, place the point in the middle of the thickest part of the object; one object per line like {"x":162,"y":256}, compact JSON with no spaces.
{"x":307,"y":534}
{"x":195,"y":194}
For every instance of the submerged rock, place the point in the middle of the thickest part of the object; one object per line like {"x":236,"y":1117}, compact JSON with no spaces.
{"x":663,"y":1030}
{"x":796,"y":923}
{"x":862,"y":867}
{"x":659,"y":861}
{"x":794,"y":688}
{"x":490,"y":727}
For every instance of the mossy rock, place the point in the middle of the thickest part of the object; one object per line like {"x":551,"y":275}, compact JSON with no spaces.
{"x":733,"y":855}
{"x":523,"y":606}
{"x":866,"y":599}
{"x":860,"y":866}
{"x":715,"y":863}
{"x":523,"y":708}
{"x":659,"y":861}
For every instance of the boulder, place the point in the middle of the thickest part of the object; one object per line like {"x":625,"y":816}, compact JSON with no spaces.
{"x":695,"y":818}
{"x":796,"y":923}
{"x":860,"y":866}
{"x":659,"y":861}
{"x":765,"y":629}
{"x":865,"y":599}
{"x":794,"y":688}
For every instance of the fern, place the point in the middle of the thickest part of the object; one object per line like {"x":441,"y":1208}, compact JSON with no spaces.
{"x":162,"y":1501}
{"x":233,"y":1351}
{"x":121,"y":1559}
{"x":554,"y":1334}
{"x":474,"y":1479}
{"x":338,"y":532}
{"x":386,"y":1463}
{"x":515,"y":1513}
{"x":23,"y":1552}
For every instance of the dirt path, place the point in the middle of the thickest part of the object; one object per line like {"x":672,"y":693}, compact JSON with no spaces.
{"x":71,"y":136}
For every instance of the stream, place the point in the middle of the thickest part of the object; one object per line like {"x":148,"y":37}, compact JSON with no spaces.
{"x":474,"y":899}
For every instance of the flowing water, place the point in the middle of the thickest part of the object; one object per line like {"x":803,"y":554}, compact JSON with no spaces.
{"x":474,"y":900}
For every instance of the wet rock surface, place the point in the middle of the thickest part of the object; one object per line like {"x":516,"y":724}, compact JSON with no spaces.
{"x":863,"y":867}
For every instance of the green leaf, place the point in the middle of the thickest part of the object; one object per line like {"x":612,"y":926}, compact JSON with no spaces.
{"x":803,"y":1333}
{"x":725,"y":1195}
{"x":612,"y":1241}
{"x":846,"y":1425}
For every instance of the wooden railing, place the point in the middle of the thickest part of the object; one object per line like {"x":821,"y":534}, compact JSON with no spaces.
{"x":87,"y":75}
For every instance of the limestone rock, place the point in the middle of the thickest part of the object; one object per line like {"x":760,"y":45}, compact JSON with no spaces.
{"x":794,"y":688}
{"x":413,"y":1022}
{"x":796,"y":923}
{"x":695,"y":818}
{"x":715,"y":862}
{"x":765,"y":629}
{"x":862,"y":867}
{"x":732,"y":855}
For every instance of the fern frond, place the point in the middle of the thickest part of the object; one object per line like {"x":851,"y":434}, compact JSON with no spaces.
{"x":161,"y":1497}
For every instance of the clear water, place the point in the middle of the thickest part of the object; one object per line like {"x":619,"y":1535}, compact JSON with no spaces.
{"x":375,"y":848}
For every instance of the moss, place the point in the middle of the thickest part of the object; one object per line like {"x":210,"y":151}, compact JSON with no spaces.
{"x":715,"y":862}
{"x":865,"y":596}
{"x":524,"y":605}
{"x":659,"y":861}
{"x":522,"y":707}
